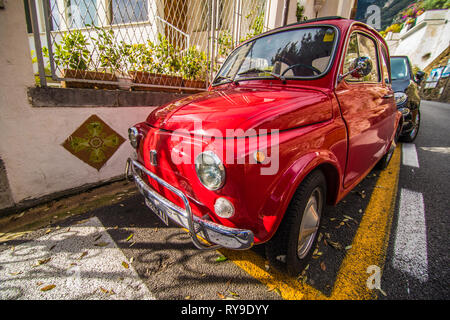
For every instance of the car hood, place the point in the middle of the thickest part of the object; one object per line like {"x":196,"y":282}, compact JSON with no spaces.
{"x":213,"y":113}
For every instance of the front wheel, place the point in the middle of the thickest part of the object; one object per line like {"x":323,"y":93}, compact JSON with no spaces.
{"x":292,"y":244}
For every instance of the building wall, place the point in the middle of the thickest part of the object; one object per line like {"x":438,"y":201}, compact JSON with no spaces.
{"x":31,"y":149}
{"x":326,"y":8}
{"x":425,"y":41}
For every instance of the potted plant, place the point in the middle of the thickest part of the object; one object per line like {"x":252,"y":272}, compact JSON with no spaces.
{"x":193,"y":68}
{"x":73,"y":59}
{"x":156,"y":64}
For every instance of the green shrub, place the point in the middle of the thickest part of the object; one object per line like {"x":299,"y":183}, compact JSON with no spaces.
{"x":72,"y":52}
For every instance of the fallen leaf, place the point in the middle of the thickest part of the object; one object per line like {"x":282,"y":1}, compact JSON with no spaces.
{"x":48,"y":288}
{"x":221,"y":259}
{"x":52,"y":247}
{"x":125,"y":265}
{"x":221,"y":296}
{"x":323,"y":266}
{"x":335,"y":245}
{"x":129,"y":237}
{"x":132,"y":244}
{"x":15,"y":273}
{"x":42,"y":261}
{"x":234,"y":294}
{"x":97,"y":237}
{"x":48,"y":231}
{"x":348,"y":247}
{"x":101,"y":244}
{"x":83,"y":255}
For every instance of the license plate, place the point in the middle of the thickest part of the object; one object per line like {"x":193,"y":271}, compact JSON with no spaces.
{"x":161,"y":214}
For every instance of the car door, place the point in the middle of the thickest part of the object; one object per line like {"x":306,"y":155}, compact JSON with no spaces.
{"x":367,"y":108}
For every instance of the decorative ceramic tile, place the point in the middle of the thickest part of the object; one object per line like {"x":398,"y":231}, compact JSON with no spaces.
{"x":94,"y":142}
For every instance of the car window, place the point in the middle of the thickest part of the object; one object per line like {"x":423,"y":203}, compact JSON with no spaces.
{"x":385,"y":64}
{"x":362,"y":46}
{"x":300,"y":53}
{"x":399,"y":69}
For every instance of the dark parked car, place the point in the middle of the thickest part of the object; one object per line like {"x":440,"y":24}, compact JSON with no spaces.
{"x":405,"y":86}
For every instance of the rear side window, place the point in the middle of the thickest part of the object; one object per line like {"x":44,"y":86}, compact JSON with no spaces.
{"x":361,"y":45}
{"x":385,"y":63}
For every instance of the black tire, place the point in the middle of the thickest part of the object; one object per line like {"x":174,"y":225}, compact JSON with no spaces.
{"x":284,"y":250}
{"x":412,"y":135}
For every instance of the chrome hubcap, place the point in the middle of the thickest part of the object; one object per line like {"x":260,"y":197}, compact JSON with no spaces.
{"x":310,"y":223}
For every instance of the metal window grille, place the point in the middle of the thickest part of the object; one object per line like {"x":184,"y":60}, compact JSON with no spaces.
{"x":140,"y":44}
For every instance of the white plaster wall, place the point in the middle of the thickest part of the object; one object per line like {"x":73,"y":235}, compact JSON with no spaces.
{"x":31,"y":138}
{"x":431,"y":35}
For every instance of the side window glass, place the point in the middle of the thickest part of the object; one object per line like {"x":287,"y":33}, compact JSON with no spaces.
{"x":361,"y":46}
{"x":385,"y":65}
{"x":367,"y":48}
{"x":352,"y":54}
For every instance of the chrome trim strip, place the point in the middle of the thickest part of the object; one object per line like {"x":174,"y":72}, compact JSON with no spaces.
{"x":219,"y":235}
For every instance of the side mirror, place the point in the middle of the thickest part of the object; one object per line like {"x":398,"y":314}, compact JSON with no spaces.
{"x":419,"y":76}
{"x":359,"y":68}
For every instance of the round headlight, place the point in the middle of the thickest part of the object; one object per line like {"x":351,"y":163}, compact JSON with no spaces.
{"x":210,"y":170}
{"x":133,"y":135}
{"x":400,"y":97}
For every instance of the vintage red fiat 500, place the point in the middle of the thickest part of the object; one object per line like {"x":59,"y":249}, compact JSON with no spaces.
{"x":295,"y":118}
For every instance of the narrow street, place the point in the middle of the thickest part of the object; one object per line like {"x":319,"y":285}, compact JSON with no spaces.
{"x":123,"y":251}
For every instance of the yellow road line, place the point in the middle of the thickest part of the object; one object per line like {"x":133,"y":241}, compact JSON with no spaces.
{"x":368,"y":248}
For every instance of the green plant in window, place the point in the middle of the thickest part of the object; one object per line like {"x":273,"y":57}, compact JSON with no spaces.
{"x":72,"y":52}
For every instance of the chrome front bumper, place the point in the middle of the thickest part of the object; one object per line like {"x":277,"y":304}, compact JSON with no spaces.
{"x":216,"y":234}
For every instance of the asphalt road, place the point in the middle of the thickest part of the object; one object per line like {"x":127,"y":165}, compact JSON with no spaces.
{"x":123,"y":251}
{"x":425,"y":273}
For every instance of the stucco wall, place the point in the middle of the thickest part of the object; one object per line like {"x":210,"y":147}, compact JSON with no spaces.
{"x":30,"y":146}
{"x":426,"y":41}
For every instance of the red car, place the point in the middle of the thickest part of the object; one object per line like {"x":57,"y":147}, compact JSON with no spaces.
{"x":295,"y":118}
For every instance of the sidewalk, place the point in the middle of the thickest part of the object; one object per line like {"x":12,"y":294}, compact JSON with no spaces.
{"x":20,"y":224}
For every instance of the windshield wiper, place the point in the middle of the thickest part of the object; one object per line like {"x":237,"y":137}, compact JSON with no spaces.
{"x":221,"y":78}
{"x":256,"y":70}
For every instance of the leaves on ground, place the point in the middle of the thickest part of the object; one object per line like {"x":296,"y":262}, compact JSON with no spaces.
{"x":101,"y":244}
{"x":48,"y":288}
{"x":125,"y":265}
{"x":221,"y":259}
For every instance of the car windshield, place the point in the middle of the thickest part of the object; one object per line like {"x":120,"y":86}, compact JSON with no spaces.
{"x":299,"y":53}
{"x":399,"y":69}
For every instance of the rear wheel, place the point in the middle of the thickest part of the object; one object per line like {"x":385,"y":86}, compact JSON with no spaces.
{"x":291,"y":246}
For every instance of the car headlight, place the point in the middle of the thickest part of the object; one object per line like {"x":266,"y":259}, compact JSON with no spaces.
{"x":210,"y":170}
{"x":400,"y":97}
{"x":133,"y":136}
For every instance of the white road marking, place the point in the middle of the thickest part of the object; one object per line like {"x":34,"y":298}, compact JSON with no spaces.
{"x":84,"y":263}
{"x":444,"y":150}
{"x":409,"y":155}
{"x":410,"y":248}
